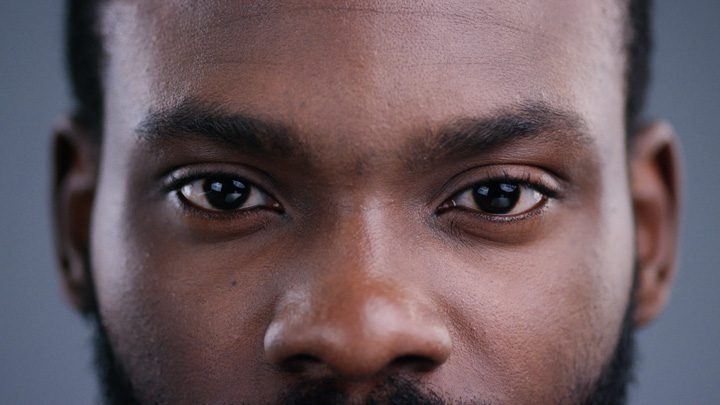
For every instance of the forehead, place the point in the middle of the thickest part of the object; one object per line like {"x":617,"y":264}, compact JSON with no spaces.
{"x":363,"y":67}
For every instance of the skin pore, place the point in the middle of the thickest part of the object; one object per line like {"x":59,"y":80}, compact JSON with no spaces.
{"x":610,"y":387}
{"x":298,"y":196}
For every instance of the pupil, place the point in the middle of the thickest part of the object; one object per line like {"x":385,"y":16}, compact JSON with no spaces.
{"x":225,"y":193}
{"x":496,"y":198}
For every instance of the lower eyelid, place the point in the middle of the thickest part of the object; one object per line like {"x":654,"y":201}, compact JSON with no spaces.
{"x":507,"y":219}
{"x":464,"y":200}
{"x":193,"y":211}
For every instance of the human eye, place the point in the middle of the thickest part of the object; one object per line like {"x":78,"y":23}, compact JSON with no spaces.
{"x":502,"y":198}
{"x":219,"y":193}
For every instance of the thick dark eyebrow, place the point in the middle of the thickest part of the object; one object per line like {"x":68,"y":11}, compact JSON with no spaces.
{"x":192,"y":120}
{"x":538,"y":122}
{"x":459,"y":138}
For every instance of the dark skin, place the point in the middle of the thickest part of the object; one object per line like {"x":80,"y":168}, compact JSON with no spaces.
{"x":359,"y":132}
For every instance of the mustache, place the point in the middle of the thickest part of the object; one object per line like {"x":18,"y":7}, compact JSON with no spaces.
{"x":394,"y":390}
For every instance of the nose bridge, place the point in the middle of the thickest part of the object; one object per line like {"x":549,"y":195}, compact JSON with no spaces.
{"x":366,"y":234}
{"x":356,"y":315}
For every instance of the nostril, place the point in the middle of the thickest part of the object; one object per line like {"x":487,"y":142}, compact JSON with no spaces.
{"x":300,"y":363}
{"x":356,"y":339}
{"x":414,"y":363}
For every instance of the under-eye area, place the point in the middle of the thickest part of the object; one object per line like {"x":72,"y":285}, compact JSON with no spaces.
{"x":504,"y":204}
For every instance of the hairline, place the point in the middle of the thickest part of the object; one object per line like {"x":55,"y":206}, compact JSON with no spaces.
{"x":85,"y":63}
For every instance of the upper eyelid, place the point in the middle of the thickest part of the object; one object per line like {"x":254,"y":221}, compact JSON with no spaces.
{"x":183,"y":181}
{"x":173,"y":177}
{"x":525,"y":181}
{"x":174,"y":182}
{"x":555,"y":187}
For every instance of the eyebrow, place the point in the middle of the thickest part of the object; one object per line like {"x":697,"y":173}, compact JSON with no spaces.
{"x":539,"y":122}
{"x":196,"y":121}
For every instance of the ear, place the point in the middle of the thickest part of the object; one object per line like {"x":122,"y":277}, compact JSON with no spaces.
{"x":655,"y":181}
{"x":75,"y":163}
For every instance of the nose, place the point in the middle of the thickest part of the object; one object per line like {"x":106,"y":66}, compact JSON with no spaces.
{"x":356,"y":329}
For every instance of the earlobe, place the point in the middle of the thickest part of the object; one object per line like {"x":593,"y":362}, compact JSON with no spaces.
{"x":655,"y":181}
{"x":75,"y":159}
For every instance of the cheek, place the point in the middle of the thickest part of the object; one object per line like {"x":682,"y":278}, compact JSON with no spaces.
{"x":532,"y":314}
{"x":186,"y":319}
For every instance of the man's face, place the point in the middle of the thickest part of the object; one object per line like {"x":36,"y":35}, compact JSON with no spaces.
{"x":319,"y":191}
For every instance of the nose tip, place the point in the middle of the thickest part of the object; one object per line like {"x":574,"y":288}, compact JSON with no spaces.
{"x":352,"y":342}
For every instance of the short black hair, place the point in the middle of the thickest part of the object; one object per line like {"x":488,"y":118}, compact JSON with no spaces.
{"x":84,"y":51}
{"x":84,"y":59}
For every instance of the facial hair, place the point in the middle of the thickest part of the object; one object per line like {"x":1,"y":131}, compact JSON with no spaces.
{"x":610,"y":388}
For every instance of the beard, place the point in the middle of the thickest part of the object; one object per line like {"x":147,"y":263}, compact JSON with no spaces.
{"x":610,"y":388}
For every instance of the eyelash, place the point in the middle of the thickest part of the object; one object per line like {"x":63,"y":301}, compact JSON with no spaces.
{"x":526,"y":179}
{"x":523,"y":180}
{"x":175,"y":183}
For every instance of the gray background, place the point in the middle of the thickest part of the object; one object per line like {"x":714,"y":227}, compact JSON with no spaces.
{"x":45,"y":355}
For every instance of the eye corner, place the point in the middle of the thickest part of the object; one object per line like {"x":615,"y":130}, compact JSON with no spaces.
{"x":506,"y":198}
{"x":457,"y":213}
{"x":219,"y":194}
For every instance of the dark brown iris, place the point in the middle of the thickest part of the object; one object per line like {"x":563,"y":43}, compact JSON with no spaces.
{"x":496,"y":198}
{"x":225,"y":193}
